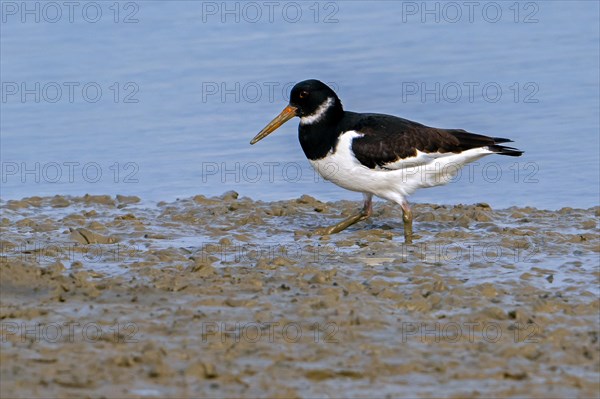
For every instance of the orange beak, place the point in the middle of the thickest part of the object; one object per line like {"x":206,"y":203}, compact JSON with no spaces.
{"x":288,"y":113}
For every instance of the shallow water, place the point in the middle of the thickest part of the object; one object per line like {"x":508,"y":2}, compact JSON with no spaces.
{"x":186,"y":85}
{"x":518,"y":242}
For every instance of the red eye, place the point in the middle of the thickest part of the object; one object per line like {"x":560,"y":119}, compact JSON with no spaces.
{"x":303,"y":94}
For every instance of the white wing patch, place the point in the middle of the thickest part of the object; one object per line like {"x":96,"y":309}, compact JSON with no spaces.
{"x":427,"y":158}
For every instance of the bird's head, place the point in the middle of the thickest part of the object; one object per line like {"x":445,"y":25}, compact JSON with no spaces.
{"x":311,"y":100}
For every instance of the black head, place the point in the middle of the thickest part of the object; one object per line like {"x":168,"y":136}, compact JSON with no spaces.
{"x":312,"y":100}
{"x":308,"y":95}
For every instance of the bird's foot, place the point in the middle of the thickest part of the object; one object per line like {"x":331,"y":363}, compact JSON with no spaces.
{"x":343,"y":225}
{"x":325,"y":231}
{"x":364,"y":213}
{"x":410,"y":239}
{"x":416,"y":237}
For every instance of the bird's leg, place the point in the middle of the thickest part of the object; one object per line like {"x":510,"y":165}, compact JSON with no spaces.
{"x":364,"y":213}
{"x":407,"y":218}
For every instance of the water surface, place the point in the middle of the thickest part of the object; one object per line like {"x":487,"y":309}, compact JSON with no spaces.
{"x":186,"y":85}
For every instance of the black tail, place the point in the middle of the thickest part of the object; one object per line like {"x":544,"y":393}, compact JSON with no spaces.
{"x":498,"y":140}
{"x":504,"y":150}
{"x":471,"y":140}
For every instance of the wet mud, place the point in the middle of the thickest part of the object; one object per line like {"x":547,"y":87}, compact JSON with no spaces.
{"x":230,"y":297}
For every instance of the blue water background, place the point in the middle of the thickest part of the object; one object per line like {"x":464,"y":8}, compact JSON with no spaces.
{"x":197,"y":80}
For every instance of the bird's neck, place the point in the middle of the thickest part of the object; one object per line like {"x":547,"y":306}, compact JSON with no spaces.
{"x":319,"y":138}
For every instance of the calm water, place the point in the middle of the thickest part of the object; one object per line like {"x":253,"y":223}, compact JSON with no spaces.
{"x":160,"y":100}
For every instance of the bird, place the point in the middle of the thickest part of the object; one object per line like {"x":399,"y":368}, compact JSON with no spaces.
{"x":377,"y":154}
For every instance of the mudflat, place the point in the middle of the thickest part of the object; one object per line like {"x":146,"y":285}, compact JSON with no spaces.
{"x":229,"y":297}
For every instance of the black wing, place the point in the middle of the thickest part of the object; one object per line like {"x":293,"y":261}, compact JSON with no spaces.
{"x":388,"y":139}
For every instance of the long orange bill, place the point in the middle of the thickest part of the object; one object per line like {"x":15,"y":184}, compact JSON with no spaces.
{"x":288,"y":113}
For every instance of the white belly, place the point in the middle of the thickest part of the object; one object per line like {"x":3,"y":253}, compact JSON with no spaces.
{"x":401,"y":179}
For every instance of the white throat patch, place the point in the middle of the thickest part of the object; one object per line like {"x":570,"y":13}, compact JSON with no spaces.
{"x":318,"y":114}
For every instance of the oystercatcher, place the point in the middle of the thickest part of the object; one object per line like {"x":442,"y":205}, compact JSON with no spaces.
{"x":377,"y":154}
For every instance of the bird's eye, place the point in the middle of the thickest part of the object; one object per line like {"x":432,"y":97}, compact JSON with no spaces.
{"x":303,"y":94}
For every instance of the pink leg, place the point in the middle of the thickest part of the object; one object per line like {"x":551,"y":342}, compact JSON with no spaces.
{"x":407,"y":218}
{"x":364,"y":213}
